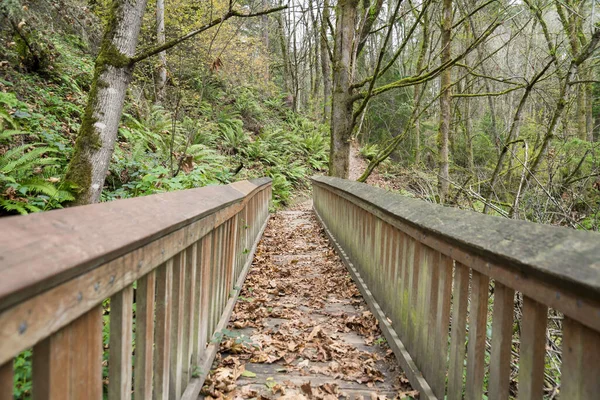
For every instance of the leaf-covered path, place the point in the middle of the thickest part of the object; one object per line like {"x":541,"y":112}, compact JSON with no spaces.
{"x":300,"y":329}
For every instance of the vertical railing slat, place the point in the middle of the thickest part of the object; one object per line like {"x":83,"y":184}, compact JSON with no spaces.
{"x":120,"y":344}
{"x":457,"y":340}
{"x":432,"y":316}
{"x":6,"y":381}
{"x":68,"y":364}
{"x":177,"y":325}
{"x":197,"y":299}
{"x":442,"y":322}
{"x":502,"y":328}
{"x":144,"y":336}
{"x":422,"y":307}
{"x":533,"y":349}
{"x":580,"y":378}
{"x":162,"y":336}
{"x":189,"y":314}
{"x":403,"y":301}
{"x":477,"y":334}
{"x":206,"y":267}
{"x":415,"y":270}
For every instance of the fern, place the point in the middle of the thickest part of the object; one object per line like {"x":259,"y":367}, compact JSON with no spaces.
{"x":9,"y":133}
{"x":18,"y":159}
{"x":14,"y":206}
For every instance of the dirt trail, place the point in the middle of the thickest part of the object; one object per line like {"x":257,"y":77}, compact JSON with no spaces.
{"x":357,"y":163}
{"x":300,"y":329}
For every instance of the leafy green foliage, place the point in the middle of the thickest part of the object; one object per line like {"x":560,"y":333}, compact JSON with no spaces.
{"x":28,"y":181}
{"x":22,"y":374}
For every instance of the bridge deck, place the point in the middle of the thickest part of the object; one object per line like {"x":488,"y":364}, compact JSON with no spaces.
{"x":300,"y":327}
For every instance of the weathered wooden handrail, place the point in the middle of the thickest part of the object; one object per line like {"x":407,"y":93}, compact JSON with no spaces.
{"x":414,"y":263}
{"x":179,"y":257}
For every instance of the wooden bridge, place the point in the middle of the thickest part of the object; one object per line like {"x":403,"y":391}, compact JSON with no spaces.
{"x":173,"y":264}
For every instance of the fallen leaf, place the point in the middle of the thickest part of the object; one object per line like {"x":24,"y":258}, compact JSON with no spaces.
{"x":248,"y":374}
{"x":306,"y":388}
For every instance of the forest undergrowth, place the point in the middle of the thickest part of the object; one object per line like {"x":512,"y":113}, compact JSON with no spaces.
{"x":210,"y":131}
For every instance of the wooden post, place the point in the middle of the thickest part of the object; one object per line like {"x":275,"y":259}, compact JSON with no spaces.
{"x":502,"y":325}
{"x":68,"y":364}
{"x":580,"y":368}
{"x":189,"y":314}
{"x":477,"y":331}
{"x":177,"y":324}
{"x":162,"y":350}
{"x":457,"y":340}
{"x":144,"y":336}
{"x":120,"y":346}
{"x":6,"y":381}
{"x":533,"y":349}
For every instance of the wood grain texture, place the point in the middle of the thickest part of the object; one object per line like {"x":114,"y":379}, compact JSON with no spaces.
{"x":535,"y":268}
{"x":458,"y":334}
{"x":162,"y":334}
{"x":68,"y":364}
{"x":581,"y":367}
{"x":177,"y":326}
{"x":189,"y":313}
{"x":6,"y":381}
{"x":62,"y":244}
{"x":533,"y":349}
{"x":197,"y":299}
{"x":47,"y":312}
{"x":204,"y":294}
{"x":502,"y":329}
{"x":422,"y":320}
{"x":558,"y":254}
{"x":432,"y":316}
{"x":120,"y":345}
{"x":477,"y":335}
{"x":396,"y":344}
{"x":442,"y":322}
{"x":144,"y":336}
{"x":414,"y":296}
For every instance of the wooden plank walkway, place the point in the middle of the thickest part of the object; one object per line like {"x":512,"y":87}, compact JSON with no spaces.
{"x":300,"y":329}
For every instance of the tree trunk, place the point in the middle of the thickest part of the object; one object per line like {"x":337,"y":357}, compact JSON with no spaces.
{"x":417,"y":89}
{"x":589,"y":99}
{"x":342,"y":114}
{"x":265,"y":32}
{"x":581,"y":112}
{"x":113,"y":71}
{"x":325,"y":63}
{"x":161,"y":72}
{"x":445,"y":82}
{"x":469,"y":135}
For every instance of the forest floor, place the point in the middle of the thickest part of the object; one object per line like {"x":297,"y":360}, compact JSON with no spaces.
{"x":358,"y":165}
{"x":300,"y":329}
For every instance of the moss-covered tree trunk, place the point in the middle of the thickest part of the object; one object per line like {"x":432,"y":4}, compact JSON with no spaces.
{"x":342,"y":110}
{"x":325,"y":63}
{"x":161,"y":73}
{"x":113,"y":72}
{"x":445,"y":82}
{"x":418,"y":88}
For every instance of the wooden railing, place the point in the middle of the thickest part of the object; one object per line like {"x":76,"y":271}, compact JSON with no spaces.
{"x":434,"y":276}
{"x":171,"y":265}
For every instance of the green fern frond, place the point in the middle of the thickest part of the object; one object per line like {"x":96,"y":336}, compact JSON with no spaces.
{"x":12,"y":206}
{"x":25,"y":161}
{"x":9,"y":133}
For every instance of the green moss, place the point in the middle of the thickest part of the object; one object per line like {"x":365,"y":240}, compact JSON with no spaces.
{"x":110,"y":55}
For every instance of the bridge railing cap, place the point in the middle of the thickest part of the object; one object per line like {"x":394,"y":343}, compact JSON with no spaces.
{"x":41,"y":250}
{"x":558,"y":255}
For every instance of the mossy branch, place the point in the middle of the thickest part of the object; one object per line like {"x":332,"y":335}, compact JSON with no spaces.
{"x":229,"y":14}
{"x":489,"y":94}
{"x":417,"y":79}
